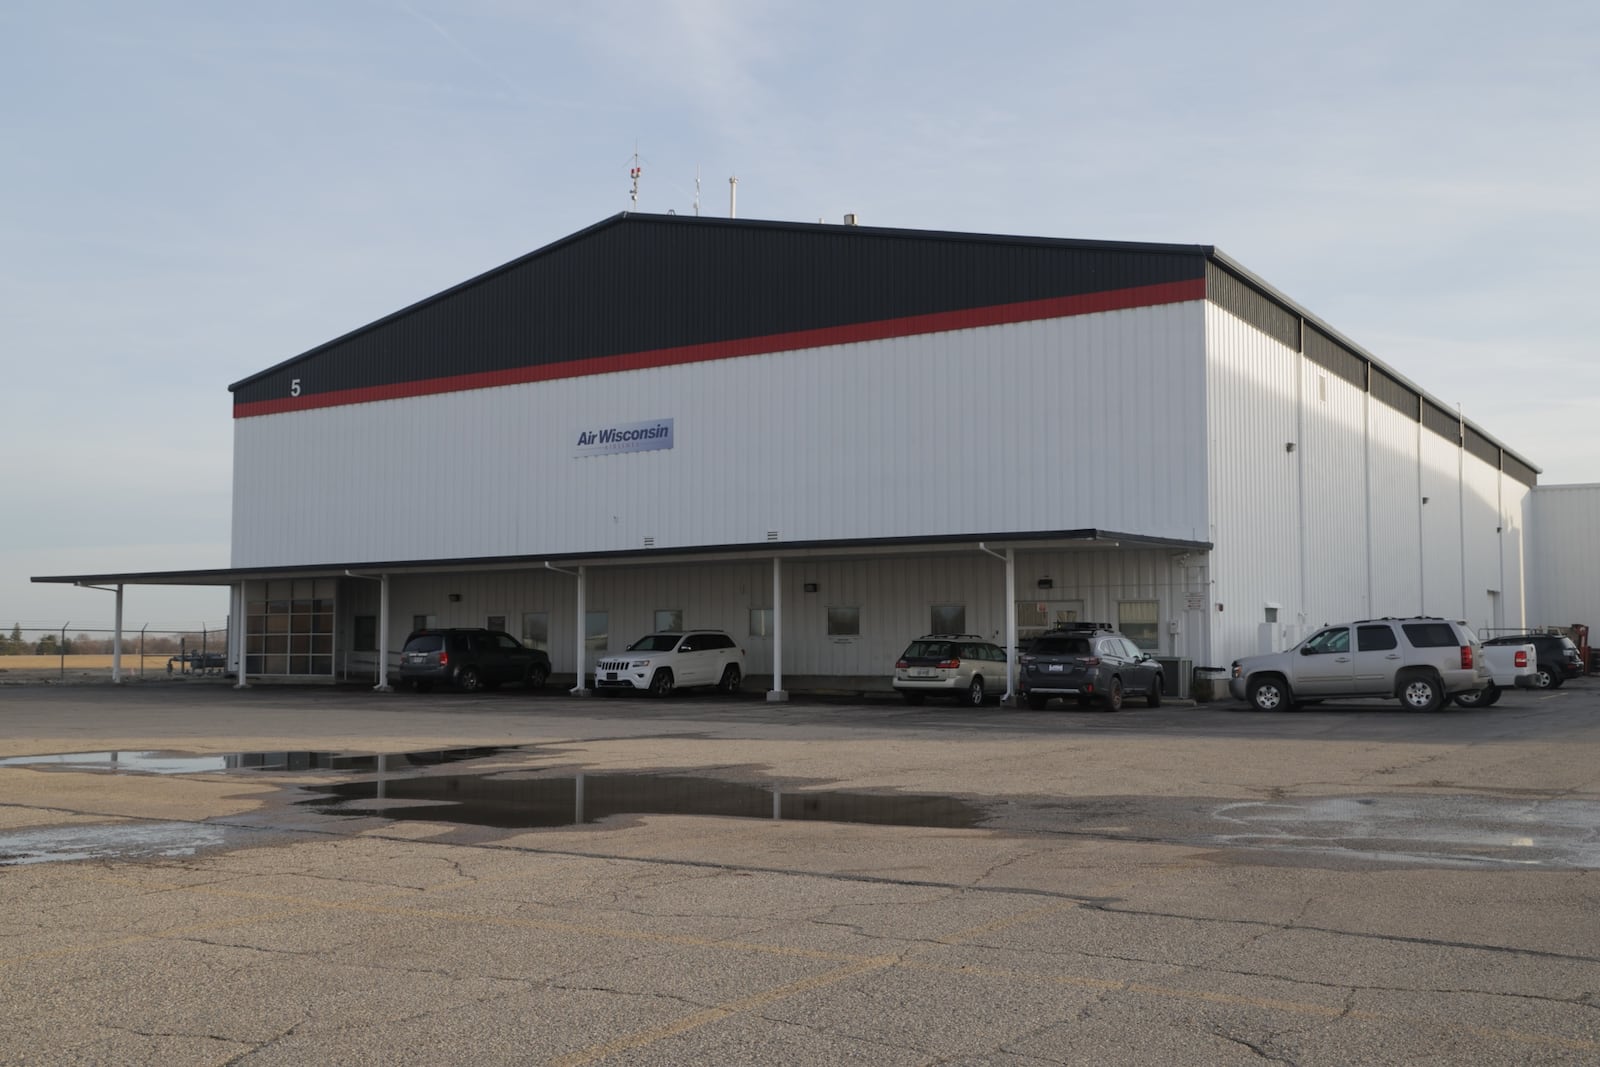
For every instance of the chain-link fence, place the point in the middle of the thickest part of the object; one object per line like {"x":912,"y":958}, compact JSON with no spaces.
{"x":147,"y":651}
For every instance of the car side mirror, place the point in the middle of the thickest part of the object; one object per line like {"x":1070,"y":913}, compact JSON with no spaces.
{"x":1306,"y":650}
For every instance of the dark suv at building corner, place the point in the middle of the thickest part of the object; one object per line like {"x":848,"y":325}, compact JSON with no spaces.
{"x":470,"y":660}
{"x":1091,"y":662}
{"x":1558,"y":658}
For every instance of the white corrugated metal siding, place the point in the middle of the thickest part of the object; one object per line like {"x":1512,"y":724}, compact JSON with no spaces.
{"x":1566,"y":542}
{"x":1396,"y":511}
{"x":1252,"y":396}
{"x":1090,"y":421}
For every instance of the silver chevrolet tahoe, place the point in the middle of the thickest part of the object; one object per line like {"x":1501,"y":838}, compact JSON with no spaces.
{"x":1423,"y":661}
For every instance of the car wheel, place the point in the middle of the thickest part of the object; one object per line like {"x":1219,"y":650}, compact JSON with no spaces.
{"x":911,"y":698}
{"x":1037,"y":701}
{"x":538,"y":674}
{"x":1478,"y":698}
{"x":422,"y":685}
{"x":1421,"y":692}
{"x":1113,"y":697}
{"x":469,"y":680}
{"x":1544,"y":677}
{"x":730,"y":679}
{"x":973,"y":697}
{"x":1152,"y":699}
{"x":661,"y":683}
{"x":1270,"y":694}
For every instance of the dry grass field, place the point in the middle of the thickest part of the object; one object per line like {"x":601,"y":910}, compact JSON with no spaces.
{"x":79,"y":663}
{"x":15,"y":667}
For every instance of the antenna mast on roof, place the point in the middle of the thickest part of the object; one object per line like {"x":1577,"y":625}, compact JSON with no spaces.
{"x":697,"y":192}
{"x":733,"y":198}
{"x":634,"y":173}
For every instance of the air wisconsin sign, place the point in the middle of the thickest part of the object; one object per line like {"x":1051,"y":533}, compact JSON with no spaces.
{"x":649,"y":436}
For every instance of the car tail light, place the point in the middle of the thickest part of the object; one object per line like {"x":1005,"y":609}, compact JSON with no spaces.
{"x":1521,"y":659}
{"x":444,"y":659}
{"x":1091,"y":661}
{"x":1466,"y":657}
{"x":901,"y":665}
{"x":949,"y":664}
{"x":1024,"y":659}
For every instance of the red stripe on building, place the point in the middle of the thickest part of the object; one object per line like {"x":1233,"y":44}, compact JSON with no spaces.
{"x":910,"y":326}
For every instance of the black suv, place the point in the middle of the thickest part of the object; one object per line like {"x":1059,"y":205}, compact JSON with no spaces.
{"x":470,"y":660}
{"x":1089,"y":661}
{"x":1558,"y":657}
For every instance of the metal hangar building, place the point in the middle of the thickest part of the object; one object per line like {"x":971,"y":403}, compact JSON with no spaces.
{"x":829,"y":439}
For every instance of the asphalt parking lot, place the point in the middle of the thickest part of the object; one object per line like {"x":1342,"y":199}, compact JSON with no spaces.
{"x":202,"y":875}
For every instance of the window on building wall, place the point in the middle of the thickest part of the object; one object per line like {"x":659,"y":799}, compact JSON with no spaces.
{"x":596,"y":630}
{"x":424,"y":622}
{"x":496,"y":622}
{"x":536,"y":629}
{"x":669,"y":620}
{"x":1140,"y":621}
{"x":365,"y":635}
{"x":760,"y":622}
{"x":290,"y":630}
{"x":948,"y":619}
{"x":1036,"y":616}
{"x":844,"y":622}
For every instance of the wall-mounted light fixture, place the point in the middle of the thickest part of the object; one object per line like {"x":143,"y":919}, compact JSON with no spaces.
{"x":455,"y":598}
{"x":1046,"y":583}
{"x":1424,"y":500}
{"x":810,"y":587}
{"x":1289,"y":447}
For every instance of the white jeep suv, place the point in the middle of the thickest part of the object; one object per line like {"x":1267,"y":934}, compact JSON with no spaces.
{"x":662,"y":662}
{"x":1423,"y":661}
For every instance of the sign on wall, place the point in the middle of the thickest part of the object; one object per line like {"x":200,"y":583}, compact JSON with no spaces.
{"x":650,"y":436}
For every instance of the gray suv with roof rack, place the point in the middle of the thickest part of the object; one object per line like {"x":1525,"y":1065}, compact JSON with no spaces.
{"x":1422,"y":660}
{"x":1090,"y":662}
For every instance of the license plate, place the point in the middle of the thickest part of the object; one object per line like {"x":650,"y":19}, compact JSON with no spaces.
{"x":1057,"y":667}
{"x":611,"y":676}
{"x":922,"y":672}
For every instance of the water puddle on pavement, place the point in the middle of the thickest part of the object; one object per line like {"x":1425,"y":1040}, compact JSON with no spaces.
{"x":1439,"y":830}
{"x":119,"y":841}
{"x":543,"y":803}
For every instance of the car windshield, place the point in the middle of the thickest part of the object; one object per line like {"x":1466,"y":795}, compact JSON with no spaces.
{"x":425,"y":643}
{"x":656,"y":643}
{"x":930,"y":650}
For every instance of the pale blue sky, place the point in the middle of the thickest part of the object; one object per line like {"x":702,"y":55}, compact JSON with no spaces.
{"x":194,"y":191}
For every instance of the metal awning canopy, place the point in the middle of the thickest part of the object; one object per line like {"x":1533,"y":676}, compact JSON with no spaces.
{"x":1077,"y":540}
{"x":1003,"y":547}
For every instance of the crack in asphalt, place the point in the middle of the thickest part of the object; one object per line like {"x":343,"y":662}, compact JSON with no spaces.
{"x":1087,"y":902}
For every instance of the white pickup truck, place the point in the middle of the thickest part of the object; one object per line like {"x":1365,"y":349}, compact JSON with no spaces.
{"x":1510,"y":667}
